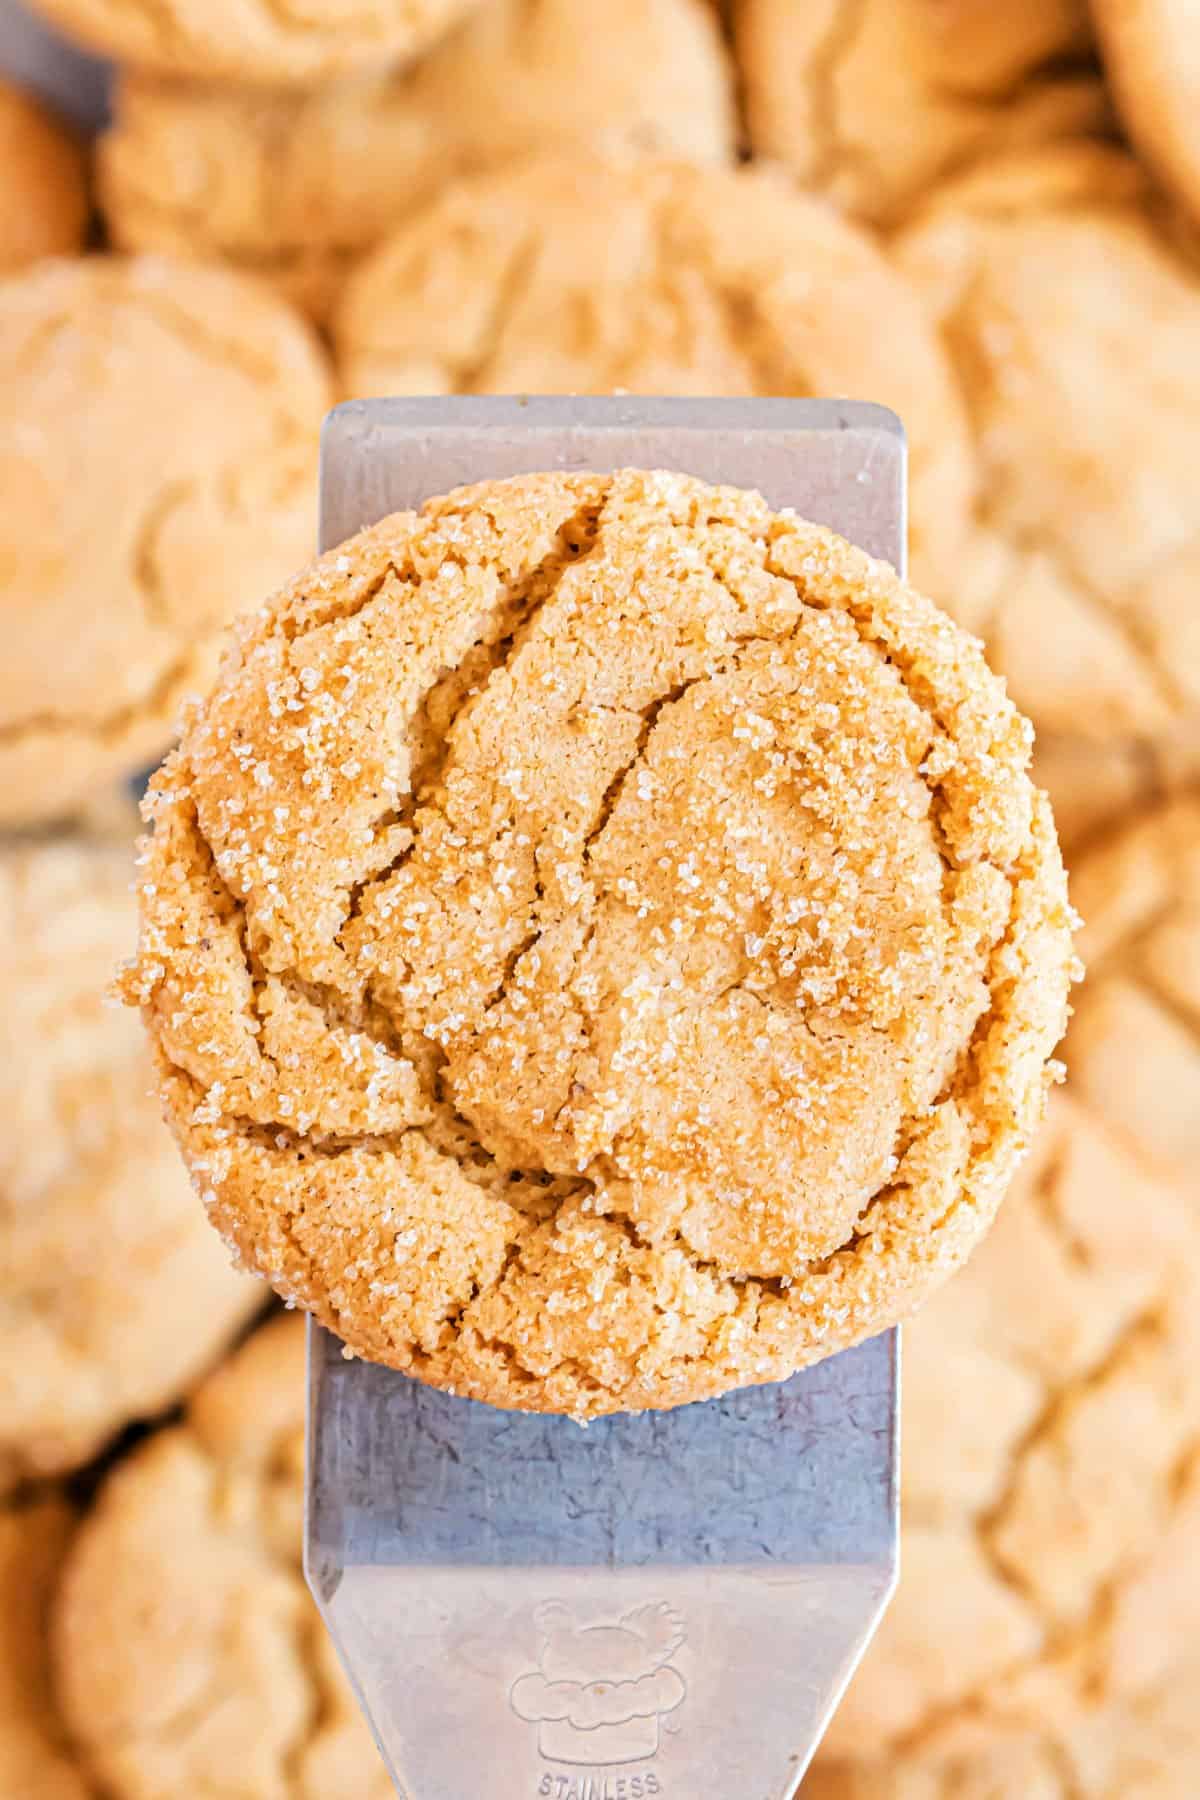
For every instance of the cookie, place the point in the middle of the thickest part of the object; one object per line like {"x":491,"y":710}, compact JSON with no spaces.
{"x":1075,"y":331}
{"x":580,"y":275}
{"x":1134,"y":1045}
{"x":1091,"y":784}
{"x":296,"y":186}
{"x":872,"y":101}
{"x":158,"y":440}
{"x":115,"y":1294}
{"x":1051,"y":1523}
{"x":255,"y":40}
{"x":35,"y":1760}
{"x":601,"y":944}
{"x":1149,"y":49}
{"x":208,"y":1671}
{"x":1147,"y":1749}
{"x":43,"y":184}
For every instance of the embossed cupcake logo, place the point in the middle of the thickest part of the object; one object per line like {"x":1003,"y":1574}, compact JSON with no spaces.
{"x":600,"y":1692}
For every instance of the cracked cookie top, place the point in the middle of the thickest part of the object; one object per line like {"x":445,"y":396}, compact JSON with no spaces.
{"x":601,"y":942}
{"x":190,"y":1658}
{"x":873,"y":101}
{"x":297,"y":185}
{"x":35,"y":1758}
{"x":276,"y":42}
{"x":1051,"y":1581}
{"x":1074,"y":326}
{"x":158,"y":441}
{"x":115,"y":1295}
{"x":43,"y":185}
{"x":579,"y":274}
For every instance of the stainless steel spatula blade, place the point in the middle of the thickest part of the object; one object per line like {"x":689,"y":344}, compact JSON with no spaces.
{"x":664,"y":1604}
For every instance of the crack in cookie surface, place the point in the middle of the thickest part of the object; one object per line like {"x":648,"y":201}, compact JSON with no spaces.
{"x":695,"y":950}
{"x":874,"y":101}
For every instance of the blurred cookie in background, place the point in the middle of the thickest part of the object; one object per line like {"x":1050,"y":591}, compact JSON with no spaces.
{"x":1151,"y":52}
{"x":1093,"y":784}
{"x":191,"y":1659}
{"x":871,"y":101}
{"x":1146,"y":1748}
{"x":296,"y":186}
{"x":1133,"y":1049}
{"x":254,"y":40}
{"x":110,"y":813}
{"x":158,"y":452}
{"x":1090,"y":784}
{"x":35,"y":1761}
{"x":1051,"y":1532}
{"x":583,"y":274}
{"x":1074,"y":330}
{"x":43,"y":182}
{"x":117,"y":1293}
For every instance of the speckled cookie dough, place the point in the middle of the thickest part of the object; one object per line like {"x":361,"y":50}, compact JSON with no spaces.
{"x":580,"y":275}
{"x":43,"y":183}
{"x":276,"y":42}
{"x":872,"y":101}
{"x":158,"y":440}
{"x":1134,"y":1047}
{"x":296,"y":186}
{"x":1075,"y":331}
{"x":601,"y":943}
{"x":36,"y":1762}
{"x":1051,"y":1536}
{"x":1152,"y":59}
{"x":115,"y":1296}
{"x":190,"y":1658}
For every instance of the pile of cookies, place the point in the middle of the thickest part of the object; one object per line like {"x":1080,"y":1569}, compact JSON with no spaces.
{"x":982,"y":216}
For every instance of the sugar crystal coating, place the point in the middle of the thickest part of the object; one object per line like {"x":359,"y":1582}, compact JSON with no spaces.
{"x":601,"y":942}
{"x":875,"y":101}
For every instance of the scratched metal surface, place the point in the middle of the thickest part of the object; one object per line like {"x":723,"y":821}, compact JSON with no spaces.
{"x":839,"y":462}
{"x":790,"y":1472}
{"x":669,"y":1603}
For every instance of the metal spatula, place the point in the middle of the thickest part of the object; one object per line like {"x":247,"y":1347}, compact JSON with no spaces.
{"x":669,"y":1603}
